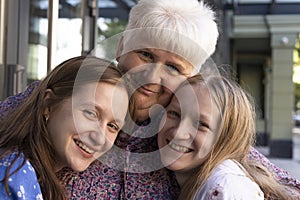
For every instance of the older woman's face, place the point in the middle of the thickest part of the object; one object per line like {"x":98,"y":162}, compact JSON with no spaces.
{"x":156,"y":74}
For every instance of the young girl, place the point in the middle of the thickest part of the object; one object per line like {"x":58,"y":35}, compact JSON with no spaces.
{"x":72,"y":118}
{"x":205,"y":137}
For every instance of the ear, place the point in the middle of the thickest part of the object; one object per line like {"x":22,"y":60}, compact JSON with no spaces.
{"x":120,"y":49}
{"x":48,"y":96}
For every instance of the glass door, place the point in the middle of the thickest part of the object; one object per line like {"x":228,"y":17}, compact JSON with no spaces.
{"x":43,"y":33}
{"x":55,"y":34}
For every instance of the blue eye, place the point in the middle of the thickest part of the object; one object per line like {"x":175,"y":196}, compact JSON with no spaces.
{"x":90,"y":114}
{"x":173,"y":114}
{"x":145,"y":55}
{"x":172,"y":67}
{"x":172,"y":70}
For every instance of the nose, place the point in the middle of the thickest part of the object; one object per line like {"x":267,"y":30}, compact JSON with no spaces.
{"x":153,"y":74}
{"x":97,"y":136}
{"x":184,"y":130}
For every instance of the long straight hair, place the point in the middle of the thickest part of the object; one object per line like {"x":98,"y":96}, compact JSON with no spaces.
{"x":236,"y":136}
{"x":24,"y":130}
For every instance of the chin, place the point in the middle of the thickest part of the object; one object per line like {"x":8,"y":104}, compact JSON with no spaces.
{"x":169,"y":163}
{"x":141,"y":115}
{"x":173,"y":167}
{"x":80,"y":166}
{"x":178,"y":167}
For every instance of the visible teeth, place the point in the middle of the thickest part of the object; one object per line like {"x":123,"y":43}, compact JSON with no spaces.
{"x":84,"y":147}
{"x":179,"y":148}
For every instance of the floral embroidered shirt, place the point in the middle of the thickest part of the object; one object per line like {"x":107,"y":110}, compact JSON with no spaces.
{"x":23,"y":184}
{"x":132,"y":169}
{"x":228,"y":181}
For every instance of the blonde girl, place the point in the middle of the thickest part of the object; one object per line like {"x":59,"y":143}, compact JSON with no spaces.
{"x":205,"y":137}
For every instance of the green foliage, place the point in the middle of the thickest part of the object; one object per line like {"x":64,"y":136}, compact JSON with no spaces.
{"x":114,"y":26}
{"x":297,"y":96}
{"x":109,"y":37}
{"x":297,"y":85}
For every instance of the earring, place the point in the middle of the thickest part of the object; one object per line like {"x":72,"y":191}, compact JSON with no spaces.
{"x":46,"y":118}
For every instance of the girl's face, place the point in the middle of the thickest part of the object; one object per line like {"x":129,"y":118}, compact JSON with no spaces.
{"x":188,"y":130}
{"x":84,"y":127}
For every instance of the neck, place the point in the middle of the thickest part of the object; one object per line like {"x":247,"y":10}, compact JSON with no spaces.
{"x":182,"y":177}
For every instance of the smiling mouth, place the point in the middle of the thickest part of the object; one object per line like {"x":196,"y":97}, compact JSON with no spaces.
{"x":144,"y":88}
{"x":179,"y":148}
{"x":83,"y":147}
{"x":147,"y":91}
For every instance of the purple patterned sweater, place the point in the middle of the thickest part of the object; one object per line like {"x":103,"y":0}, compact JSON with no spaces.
{"x":131,"y":170}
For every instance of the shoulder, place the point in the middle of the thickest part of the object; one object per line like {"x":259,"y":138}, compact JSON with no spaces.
{"x":11,"y":102}
{"x":228,"y":181}
{"x":23,"y":184}
{"x":8,"y":161}
{"x":22,"y":165}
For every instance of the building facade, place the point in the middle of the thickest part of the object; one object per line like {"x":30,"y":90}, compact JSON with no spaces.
{"x":261,"y":36}
{"x":257,"y":39}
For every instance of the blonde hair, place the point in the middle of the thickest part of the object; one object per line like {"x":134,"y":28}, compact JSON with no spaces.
{"x":236,"y":136}
{"x":186,"y":28}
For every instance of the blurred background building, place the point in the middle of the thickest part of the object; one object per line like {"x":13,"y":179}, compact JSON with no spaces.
{"x":259,"y":40}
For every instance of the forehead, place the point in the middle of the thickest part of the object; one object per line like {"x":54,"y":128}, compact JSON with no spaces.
{"x":109,"y":97}
{"x":197,"y":101}
{"x":97,"y":91}
{"x":194,"y":98}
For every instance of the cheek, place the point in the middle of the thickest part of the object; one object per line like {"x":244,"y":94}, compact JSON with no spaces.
{"x":165,"y":98}
{"x":82,"y":124}
{"x":162,"y":123}
{"x":128,"y":63}
{"x":173,"y":83}
{"x":169,"y":87}
{"x":141,"y":101}
{"x":111,"y":138}
{"x":60,"y":125}
{"x":161,"y":139}
{"x":205,"y":144}
{"x":124,"y":67}
{"x":167,"y":129}
{"x":122,"y":64}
